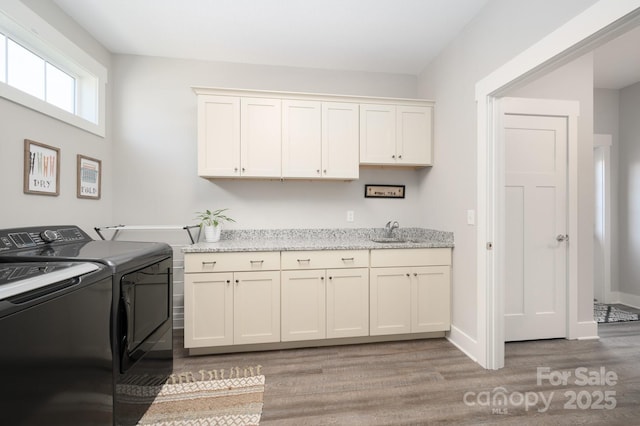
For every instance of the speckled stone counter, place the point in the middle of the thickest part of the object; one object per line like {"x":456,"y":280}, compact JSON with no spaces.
{"x":322,"y":239}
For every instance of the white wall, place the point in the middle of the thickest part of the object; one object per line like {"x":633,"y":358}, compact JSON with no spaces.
{"x":629,"y":194}
{"x":19,"y":123}
{"x":606,"y":121}
{"x":503,"y":29}
{"x":156,"y":182}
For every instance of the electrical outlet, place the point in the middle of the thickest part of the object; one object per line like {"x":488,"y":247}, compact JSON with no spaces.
{"x":350,"y":216}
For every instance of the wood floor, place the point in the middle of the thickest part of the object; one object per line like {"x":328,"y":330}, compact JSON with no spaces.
{"x":431,"y":382}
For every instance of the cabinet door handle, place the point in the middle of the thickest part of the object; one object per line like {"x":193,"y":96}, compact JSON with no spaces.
{"x":235,"y":170}
{"x":347,"y":259}
{"x":415,"y":274}
{"x":393,"y":156}
{"x":318,"y":171}
{"x":304,"y":260}
{"x":243,"y":170}
{"x":228,"y":281}
{"x":325,"y":171}
{"x":256,"y":261}
{"x":321,"y":278}
{"x":330,"y":278}
{"x":237,"y":282}
{"x":400,"y":156}
{"x":212,"y":263}
{"x":408,"y":275}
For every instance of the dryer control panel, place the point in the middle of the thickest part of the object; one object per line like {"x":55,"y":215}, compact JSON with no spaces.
{"x":33,"y":237}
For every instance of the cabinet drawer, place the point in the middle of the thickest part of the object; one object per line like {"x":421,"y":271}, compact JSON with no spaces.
{"x":410,"y":257}
{"x":325,"y":259}
{"x":232,"y":262}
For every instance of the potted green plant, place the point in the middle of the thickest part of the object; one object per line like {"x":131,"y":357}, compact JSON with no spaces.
{"x":211,"y":222}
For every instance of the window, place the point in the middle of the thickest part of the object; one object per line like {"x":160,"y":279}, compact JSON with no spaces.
{"x":31,"y":74}
{"x":43,"y":70}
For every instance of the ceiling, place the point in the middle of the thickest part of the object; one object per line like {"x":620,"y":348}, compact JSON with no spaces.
{"x":393,"y":36}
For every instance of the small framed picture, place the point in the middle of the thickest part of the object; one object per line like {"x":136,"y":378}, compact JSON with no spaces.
{"x":41,"y":169}
{"x":89,"y":177}
{"x":384,"y":191}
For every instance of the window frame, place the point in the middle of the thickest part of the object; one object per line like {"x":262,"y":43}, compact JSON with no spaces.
{"x":25,"y":27}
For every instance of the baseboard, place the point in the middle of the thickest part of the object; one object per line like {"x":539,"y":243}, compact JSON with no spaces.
{"x":586,"y":330}
{"x":463,"y":342}
{"x":631,"y":300}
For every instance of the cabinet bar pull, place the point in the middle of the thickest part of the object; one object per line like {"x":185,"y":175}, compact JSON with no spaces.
{"x":347,"y":259}
{"x":304,"y":260}
{"x":209,"y":263}
{"x":256,"y":261}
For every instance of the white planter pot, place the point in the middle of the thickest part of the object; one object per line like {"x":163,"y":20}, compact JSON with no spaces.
{"x":212,"y":233}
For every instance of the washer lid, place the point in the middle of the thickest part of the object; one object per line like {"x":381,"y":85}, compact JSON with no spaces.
{"x":19,"y":278}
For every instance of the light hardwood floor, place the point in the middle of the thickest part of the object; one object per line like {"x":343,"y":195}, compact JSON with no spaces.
{"x":427,"y":382}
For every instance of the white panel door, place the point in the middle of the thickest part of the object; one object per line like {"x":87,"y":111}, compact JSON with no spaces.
{"x":377,"y":134}
{"x":414,"y":135}
{"x":208,"y":309}
{"x":536,"y":226}
{"x":390,"y":301}
{"x":303,"y":313}
{"x":261,"y":137}
{"x":256,"y":307}
{"x":430,"y":299}
{"x":218,"y":136}
{"x":301,"y":139}
{"x":347,"y":302}
{"x":340,"y":140}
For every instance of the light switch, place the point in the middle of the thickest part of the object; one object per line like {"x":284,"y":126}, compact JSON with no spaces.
{"x":471,"y":217}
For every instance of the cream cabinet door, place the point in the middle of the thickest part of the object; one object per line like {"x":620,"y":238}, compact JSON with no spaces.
{"x":301,"y":139}
{"x":377,"y":134}
{"x":208,"y":309}
{"x":256,"y":307}
{"x":340,"y":141}
{"x":414,"y":135}
{"x":261,"y":137}
{"x":390,"y":301}
{"x":430,"y":299}
{"x":303,"y":305}
{"x":218,"y":136}
{"x":347,"y":302}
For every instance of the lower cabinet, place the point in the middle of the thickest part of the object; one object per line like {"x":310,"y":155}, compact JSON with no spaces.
{"x":226,"y":308}
{"x":410,"y":299}
{"x":319,"y":304}
{"x":268,"y":297}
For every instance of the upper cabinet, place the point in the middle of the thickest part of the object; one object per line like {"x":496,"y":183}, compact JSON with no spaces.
{"x":260,"y":137}
{"x":398,"y":135}
{"x":255,"y":134}
{"x":319,"y":140}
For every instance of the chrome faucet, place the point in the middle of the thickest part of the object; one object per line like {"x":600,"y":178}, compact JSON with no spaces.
{"x":390,"y":226}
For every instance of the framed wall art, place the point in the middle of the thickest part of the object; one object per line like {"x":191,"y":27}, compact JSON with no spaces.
{"x":41,"y":169}
{"x":89,"y":177}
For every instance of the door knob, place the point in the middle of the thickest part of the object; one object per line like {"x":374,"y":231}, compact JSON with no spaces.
{"x":560,"y":238}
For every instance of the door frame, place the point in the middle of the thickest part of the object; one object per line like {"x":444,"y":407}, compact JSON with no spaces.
{"x":605,"y":142}
{"x":599,"y":23}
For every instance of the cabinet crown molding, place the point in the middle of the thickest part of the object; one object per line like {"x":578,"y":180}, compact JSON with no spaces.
{"x":271,"y":94}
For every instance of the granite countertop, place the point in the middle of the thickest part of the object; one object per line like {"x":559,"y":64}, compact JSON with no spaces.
{"x":322,"y":239}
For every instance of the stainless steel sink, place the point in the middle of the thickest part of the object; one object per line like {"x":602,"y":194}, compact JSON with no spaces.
{"x":383,"y":240}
